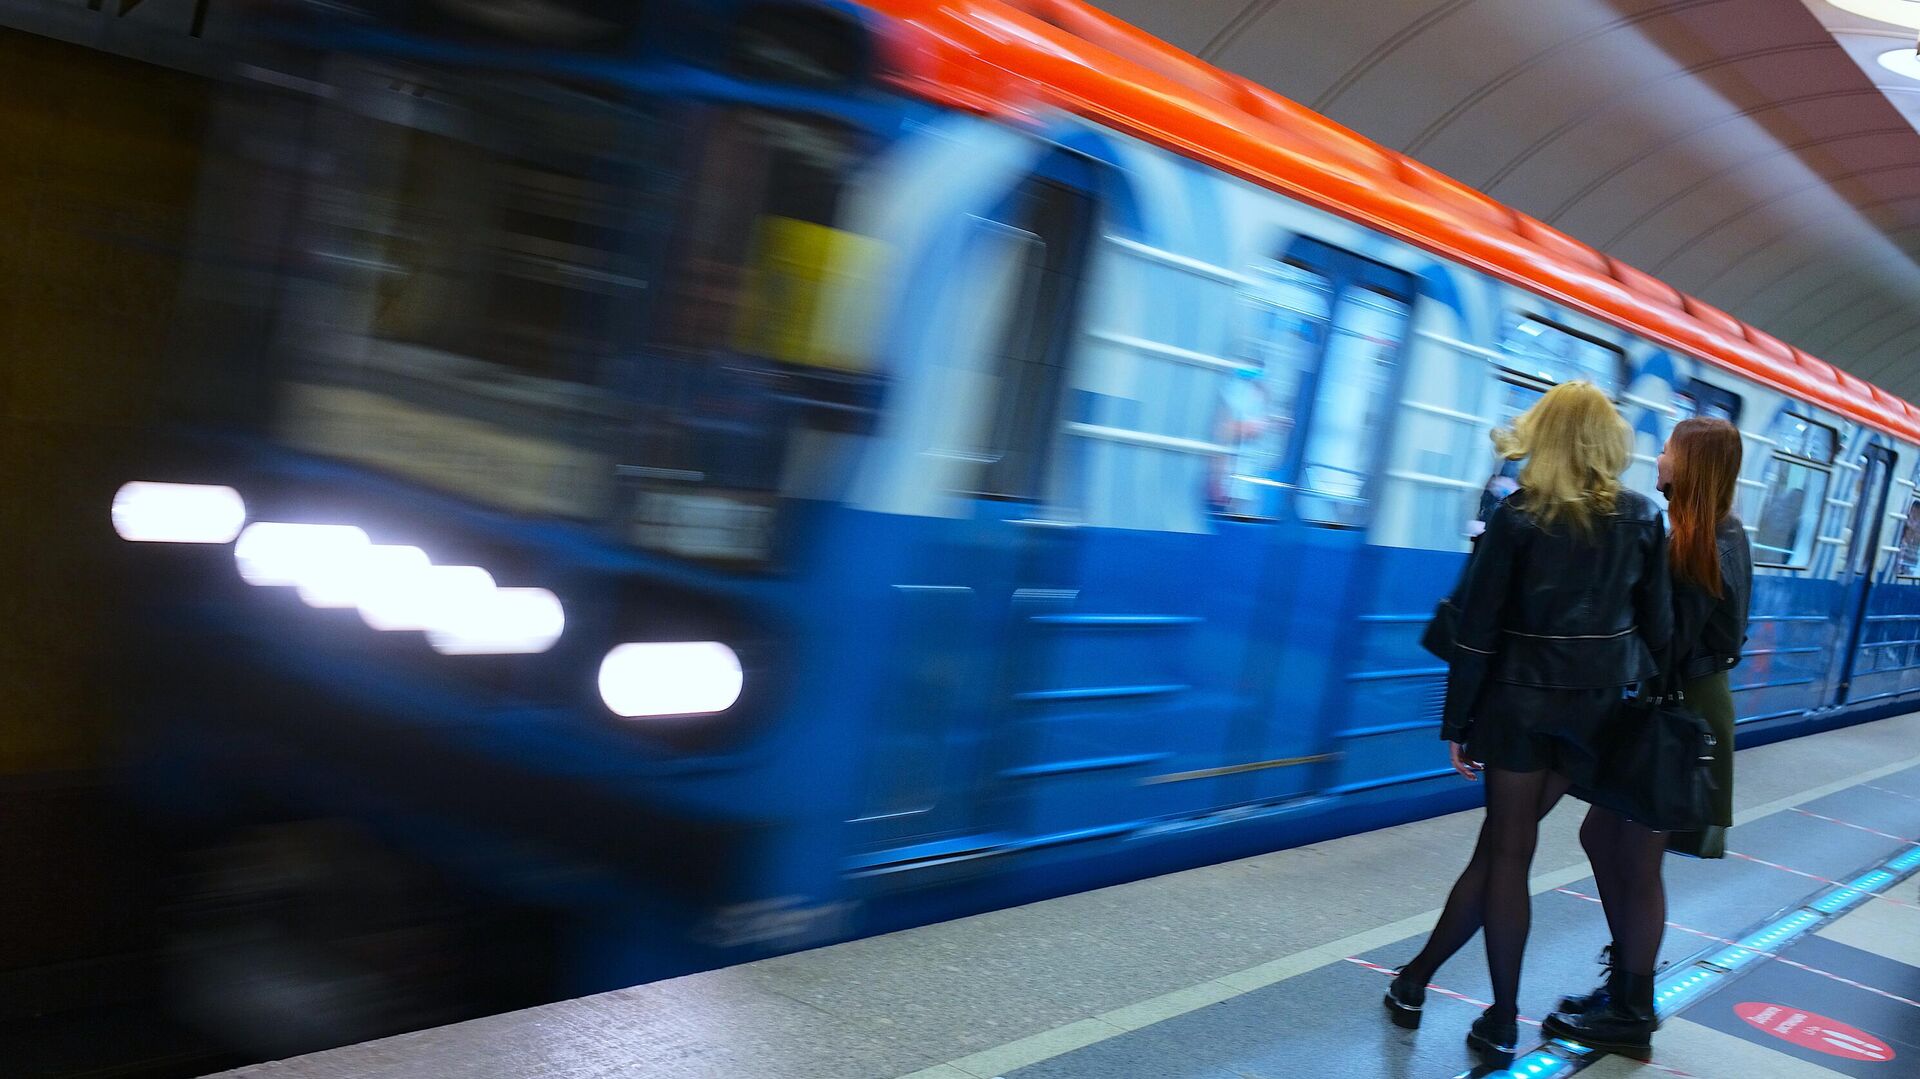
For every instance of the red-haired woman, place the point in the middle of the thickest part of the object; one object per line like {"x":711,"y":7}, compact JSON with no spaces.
{"x":1712,"y":567}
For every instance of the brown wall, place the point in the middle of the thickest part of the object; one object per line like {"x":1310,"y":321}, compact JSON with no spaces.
{"x":98,"y":157}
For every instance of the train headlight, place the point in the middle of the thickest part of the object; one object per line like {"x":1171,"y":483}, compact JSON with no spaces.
{"x":358,"y":571}
{"x":507,"y":621}
{"x":376,"y":575}
{"x":146,"y":512}
{"x":686,"y":678}
{"x":399,"y":589}
{"x":274,"y":554}
{"x":420,"y":596}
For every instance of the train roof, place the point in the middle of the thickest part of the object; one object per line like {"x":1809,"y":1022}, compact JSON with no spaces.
{"x":1005,"y":57}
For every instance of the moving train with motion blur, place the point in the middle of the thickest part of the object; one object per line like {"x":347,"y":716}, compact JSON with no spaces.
{"x":664,"y":484}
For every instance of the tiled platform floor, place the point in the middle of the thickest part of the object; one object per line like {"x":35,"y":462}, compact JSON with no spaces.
{"x":1269,"y":967}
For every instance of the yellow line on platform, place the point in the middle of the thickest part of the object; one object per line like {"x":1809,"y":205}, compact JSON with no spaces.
{"x":1058,"y":1041}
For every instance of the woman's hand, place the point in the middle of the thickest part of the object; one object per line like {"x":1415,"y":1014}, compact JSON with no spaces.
{"x":1469,"y":770}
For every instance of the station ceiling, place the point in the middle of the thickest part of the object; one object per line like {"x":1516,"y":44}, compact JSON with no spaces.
{"x":1756,"y":153}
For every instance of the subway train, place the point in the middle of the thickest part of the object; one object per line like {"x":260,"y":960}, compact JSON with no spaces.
{"x":662,"y":485}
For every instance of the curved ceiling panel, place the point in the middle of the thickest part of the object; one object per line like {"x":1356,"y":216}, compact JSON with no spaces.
{"x":1754,"y":153}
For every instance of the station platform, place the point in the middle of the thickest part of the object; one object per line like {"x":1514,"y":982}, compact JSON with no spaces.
{"x":1796,"y":956}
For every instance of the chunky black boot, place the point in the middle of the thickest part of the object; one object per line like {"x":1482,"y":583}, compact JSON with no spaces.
{"x":1493,"y":1039}
{"x":1598,"y":998}
{"x":1624,"y":1025}
{"x":1405,"y":999}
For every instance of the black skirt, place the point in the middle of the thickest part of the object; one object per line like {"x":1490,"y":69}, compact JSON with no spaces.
{"x":1527,"y":728}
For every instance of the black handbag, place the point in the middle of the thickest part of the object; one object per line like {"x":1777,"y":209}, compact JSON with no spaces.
{"x":1655,"y":766}
{"x":1442,"y":629}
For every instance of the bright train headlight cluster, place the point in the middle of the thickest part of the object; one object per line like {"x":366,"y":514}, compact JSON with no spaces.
{"x":396,"y":589}
{"x":681,"y":678}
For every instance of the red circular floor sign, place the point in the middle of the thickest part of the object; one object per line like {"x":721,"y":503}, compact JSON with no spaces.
{"x":1813,"y":1031}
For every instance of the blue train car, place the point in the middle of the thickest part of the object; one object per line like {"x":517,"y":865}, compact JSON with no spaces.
{"x":699,"y":492}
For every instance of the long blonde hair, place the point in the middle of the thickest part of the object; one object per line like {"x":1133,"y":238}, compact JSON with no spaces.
{"x":1575,"y":446}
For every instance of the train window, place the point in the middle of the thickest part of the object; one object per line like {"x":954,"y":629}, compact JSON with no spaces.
{"x":1286,"y":310}
{"x":1351,"y":406}
{"x":1704,"y":400}
{"x":505,"y":234}
{"x":1553,"y":355}
{"x":1907,"y":559}
{"x":1801,"y":437}
{"x":1031,"y":354}
{"x":475,"y":253}
{"x":765,"y":188}
{"x":1790,"y":500}
{"x":1515,"y":398}
{"x":1792,"y":492}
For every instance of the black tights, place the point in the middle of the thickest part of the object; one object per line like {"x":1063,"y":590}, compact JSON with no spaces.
{"x":1626,"y":861}
{"x":1492,"y":890}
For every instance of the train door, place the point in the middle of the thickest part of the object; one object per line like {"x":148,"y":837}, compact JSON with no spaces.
{"x":984,"y":333}
{"x":1870,"y":515}
{"x":1196,"y":558}
{"x":1325,"y":486}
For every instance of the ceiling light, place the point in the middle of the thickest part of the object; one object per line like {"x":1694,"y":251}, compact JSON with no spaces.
{"x":1901,"y":62}
{"x":1898,"y":12}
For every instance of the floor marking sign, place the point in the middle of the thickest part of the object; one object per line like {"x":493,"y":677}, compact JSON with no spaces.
{"x":1813,"y":1031}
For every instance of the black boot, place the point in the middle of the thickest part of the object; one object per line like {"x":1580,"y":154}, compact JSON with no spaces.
{"x":1493,"y":1039}
{"x":1405,"y":999}
{"x":1624,"y":1025}
{"x":1586,"y":1002}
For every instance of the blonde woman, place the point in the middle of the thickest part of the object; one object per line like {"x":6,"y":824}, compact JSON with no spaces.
{"x":1565,"y":604}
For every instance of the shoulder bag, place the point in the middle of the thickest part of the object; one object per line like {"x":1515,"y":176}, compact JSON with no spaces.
{"x":1444,"y":627}
{"x":1655,"y":764}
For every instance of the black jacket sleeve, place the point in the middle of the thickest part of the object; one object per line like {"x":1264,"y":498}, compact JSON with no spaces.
{"x":1653,"y":600}
{"x":1709,"y":631}
{"x":1692,"y":607}
{"x":1483,"y":598}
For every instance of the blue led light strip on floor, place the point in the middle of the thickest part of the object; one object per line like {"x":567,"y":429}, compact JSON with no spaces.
{"x":1686,"y":982}
{"x":1542,"y":1063}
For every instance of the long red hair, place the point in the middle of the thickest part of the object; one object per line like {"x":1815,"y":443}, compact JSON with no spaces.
{"x":1703,"y":458}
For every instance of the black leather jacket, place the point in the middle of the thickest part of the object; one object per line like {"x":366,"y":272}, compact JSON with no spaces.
{"x":1709,"y":632}
{"x":1548,"y":607}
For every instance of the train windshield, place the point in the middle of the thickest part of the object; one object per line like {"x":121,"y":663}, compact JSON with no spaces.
{"x":563,"y":303}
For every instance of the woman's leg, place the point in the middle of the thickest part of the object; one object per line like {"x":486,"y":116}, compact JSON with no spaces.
{"x":1627,"y":859}
{"x":1639,"y":914}
{"x":1636,"y":902}
{"x":1459,"y":919}
{"x":1599,"y":837}
{"x":1465,"y":911}
{"x":1515,"y":802}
